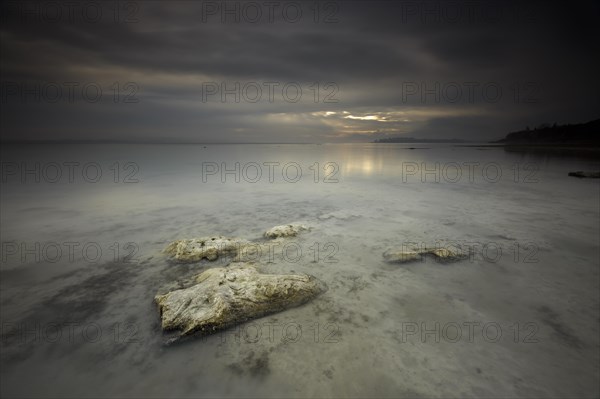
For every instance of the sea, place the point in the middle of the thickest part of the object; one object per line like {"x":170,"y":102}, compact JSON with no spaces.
{"x":84,"y":226}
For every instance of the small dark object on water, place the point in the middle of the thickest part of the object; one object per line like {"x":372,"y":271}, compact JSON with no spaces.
{"x":582,"y":174}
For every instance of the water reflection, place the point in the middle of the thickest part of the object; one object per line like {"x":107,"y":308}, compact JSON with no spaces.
{"x":368,"y":160}
{"x":554,"y":152}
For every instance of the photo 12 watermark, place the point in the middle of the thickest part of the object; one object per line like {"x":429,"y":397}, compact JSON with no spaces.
{"x":270,"y":91}
{"x":70,"y":92}
{"x":71,"y":12}
{"x":16,"y":252}
{"x":69,"y":172}
{"x":288,"y":252}
{"x":289,"y":332}
{"x":468,"y":172}
{"x":28,"y":333}
{"x":445,"y":251}
{"x":464,"y":12}
{"x":270,"y":172}
{"x":270,"y":12}
{"x":467,"y":332}
{"x":469,"y":92}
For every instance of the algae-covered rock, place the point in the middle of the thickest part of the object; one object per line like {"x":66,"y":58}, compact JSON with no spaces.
{"x":195,"y":249}
{"x":286,"y":230}
{"x":222,"y":297}
{"x":440,"y":254}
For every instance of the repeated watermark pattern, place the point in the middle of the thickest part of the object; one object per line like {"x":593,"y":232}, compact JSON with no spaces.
{"x":69,"y":92}
{"x":68,"y":252}
{"x":270,"y":91}
{"x":68,"y":172}
{"x":470,"y":251}
{"x":469,"y":92}
{"x":469,"y":171}
{"x":290,"y":332}
{"x":71,"y":12}
{"x":271,"y":171}
{"x":467,"y":331}
{"x":68,"y":332}
{"x":269,"y":12}
{"x":289,"y":252}
{"x":463,"y":12}
{"x":285,"y":332}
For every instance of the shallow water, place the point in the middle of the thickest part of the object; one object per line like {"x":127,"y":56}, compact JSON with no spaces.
{"x":518,"y":318}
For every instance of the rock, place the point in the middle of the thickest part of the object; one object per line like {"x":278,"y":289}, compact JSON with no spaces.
{"x":195,"y":249}
{"x":222,"y":297}
{"x":582,"y":174}
{"x":341,"y":215}
{"x":440,"y":254}
{"x":445,"y":254}
{"x":286,"y":230}
{"x":211,"y":248}
{"x":401,"y":256}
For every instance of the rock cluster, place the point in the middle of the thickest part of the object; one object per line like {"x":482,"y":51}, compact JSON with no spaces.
{"x":221,"y":297}
{"x":211,"y":248}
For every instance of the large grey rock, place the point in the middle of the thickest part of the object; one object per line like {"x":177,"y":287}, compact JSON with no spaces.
{"x":409,"y":255}
{"x":222,"y":297}
{"x":195,"y":249}
{"x":286,"y":230}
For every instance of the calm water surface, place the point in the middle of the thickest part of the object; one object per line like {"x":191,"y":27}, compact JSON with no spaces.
{"x":83,"y":227}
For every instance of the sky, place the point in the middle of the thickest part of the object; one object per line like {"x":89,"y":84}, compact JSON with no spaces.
{"x":293,"y":71}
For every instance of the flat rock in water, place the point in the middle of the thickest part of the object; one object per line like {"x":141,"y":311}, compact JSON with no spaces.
{"x":582,"y":174}
{"x":223,"y":297}
{"x":441,"y":254}
{"x":445,"y":254}
{"x":401,"y":256}
{"x":195,"y":249}
{"x":340,"y":215}
{"x":286,"y":230}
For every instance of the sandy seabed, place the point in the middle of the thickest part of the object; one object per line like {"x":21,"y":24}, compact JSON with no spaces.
{"x":518,"y":318}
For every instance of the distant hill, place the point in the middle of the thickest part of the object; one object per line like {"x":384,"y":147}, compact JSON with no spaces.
{"x":416,"y":140}
{"x":581,"y":134}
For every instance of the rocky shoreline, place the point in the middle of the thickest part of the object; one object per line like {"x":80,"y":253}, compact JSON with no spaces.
{"x":221,"y":297}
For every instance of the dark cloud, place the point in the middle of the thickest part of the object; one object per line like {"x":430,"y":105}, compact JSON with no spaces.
{"x":543,"y":57}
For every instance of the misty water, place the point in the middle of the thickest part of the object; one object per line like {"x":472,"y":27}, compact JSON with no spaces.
{"x":82,"y":261}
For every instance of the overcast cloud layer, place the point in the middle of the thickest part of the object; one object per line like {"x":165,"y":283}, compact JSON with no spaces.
{"x":468,"y":70}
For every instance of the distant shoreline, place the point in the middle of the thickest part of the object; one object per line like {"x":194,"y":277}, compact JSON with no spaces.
{"x":412,"y":140}
{"x":537,"y":146}
{"x":580,"y":135}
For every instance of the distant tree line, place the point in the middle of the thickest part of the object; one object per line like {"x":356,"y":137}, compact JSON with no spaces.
{"x":581,"y":133}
